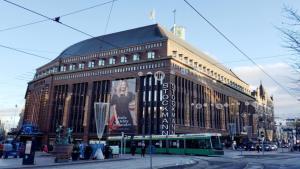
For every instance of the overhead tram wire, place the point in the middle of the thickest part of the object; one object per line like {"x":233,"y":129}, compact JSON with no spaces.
{"x":57,"y":20}
{"x":108,"y":17}
{"x":67,"y":14}
{"x":240,"y":50}
{"x":257,"y":58}
{"x":22,"y":51}
{"x":24,"y":25}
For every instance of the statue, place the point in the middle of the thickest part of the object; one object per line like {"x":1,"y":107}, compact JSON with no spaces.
{"x":63,"y":135}
{"x":63,"y":144}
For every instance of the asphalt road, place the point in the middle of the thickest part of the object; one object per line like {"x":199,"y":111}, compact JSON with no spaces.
{"x":234,"y":160}
{"x":243,"y":165}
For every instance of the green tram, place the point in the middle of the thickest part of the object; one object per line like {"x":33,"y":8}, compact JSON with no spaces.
{"x":207,"y":144}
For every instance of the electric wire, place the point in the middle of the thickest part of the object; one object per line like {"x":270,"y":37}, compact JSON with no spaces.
{"x":239,"y":49}
{"x":22,"y":51}
{"x":108,"y":17}
{"x":257,"y":58}
{"x":56,"y":20}
{"x":67,"y":14}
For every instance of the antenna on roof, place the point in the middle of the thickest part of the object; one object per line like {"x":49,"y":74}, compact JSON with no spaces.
{"x":174,"y":24}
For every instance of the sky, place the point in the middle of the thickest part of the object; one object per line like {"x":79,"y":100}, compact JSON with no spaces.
{"x":249,"y":24}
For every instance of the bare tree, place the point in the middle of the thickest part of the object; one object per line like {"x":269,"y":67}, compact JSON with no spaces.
{"x":291,"y":36}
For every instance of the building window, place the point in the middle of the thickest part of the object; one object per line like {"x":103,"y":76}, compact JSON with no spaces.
{"x":180,"y":56}
{"x":81,"y":66}
{"x":55,"y":69}
{"x":136,"y":57}
{"x":63,"y":68}
{"x":186,"y":60}
{"x":91,"y":64}
{"x":195,"y":64}
{"x":101,"y":62}
{"x":151,"y":55}
{"x":72,"y":67}
{"x":112,"y":61}
{"x":174,"y":53}
{"x":123,"y":59}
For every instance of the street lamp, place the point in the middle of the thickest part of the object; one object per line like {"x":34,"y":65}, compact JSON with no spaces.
{"x":15,"y":113}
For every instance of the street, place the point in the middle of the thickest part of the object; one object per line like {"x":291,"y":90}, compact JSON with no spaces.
{"x":250,"y":160}
{"x":230,"y":160}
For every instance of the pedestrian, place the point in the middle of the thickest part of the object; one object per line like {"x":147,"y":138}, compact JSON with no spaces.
{"x":88,"y":152}
{"x":234,"y":145}
{"x":257,"y":148}
{"x":133,"y":149}
{"x":143,"y":150}
{"x":107,"y":151}
{"x":45,"y":149}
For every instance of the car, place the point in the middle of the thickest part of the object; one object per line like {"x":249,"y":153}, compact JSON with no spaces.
{"x":274,"y":147}
{"x":267,"y":147}
{"x":10,"y":148}
{"x":1,"y":150}
{"x":251,"y":147}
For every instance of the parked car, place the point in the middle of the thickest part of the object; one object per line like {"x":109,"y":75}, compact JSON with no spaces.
{"x":9,"y":150}
{"x":1,"y":150}
{"x":267,"y":147}
{"x":250,"y":147}
{"x":274,"y":147}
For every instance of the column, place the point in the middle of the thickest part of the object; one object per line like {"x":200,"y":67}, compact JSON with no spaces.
{"x":87,"y":110}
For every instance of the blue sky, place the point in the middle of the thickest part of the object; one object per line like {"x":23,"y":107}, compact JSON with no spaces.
{"x":250,"y":24}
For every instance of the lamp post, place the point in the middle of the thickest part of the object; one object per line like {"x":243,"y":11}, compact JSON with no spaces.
{"x":15,"y":114}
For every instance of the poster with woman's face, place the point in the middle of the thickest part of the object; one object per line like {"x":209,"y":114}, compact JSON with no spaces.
{"x":123,"y":108}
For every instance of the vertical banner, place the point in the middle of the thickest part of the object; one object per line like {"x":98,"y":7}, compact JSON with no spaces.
{"x":123,"y":109}
{"x":101,"y":114}
{"x":168,"y":105}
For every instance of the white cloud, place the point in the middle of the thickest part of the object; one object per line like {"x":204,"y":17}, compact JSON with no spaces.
{"x":285,"y":105}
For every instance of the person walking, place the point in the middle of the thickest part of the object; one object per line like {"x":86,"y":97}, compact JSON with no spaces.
{"x":143,"y":150}
{"x":45,"y":149}
{"x":132,"y":149}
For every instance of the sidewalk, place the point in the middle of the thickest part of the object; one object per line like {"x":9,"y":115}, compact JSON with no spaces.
{"x":47,"y":160}
{"x":43,"y":160}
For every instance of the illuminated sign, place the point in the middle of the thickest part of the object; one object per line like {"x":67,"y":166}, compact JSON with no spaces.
{"x":168,"y":109}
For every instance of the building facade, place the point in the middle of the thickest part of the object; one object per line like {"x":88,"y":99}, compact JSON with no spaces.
{"x":264,"y":113}
{"x":153,"y":81}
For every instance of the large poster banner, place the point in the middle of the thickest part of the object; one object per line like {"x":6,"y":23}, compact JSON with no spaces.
{"x":123,"y":108}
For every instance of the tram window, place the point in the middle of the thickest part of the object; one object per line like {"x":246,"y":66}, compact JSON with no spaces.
{"x":192,"y":143}
{"x":146,"y":143}
{"x":156,"y":143}
{"x":181,"y":144}
{"x":173,"y":144}
{"x":204,"y":144}
{"x":199,"y":143}
{"x":164,"y":144}
{"x":216,"y":142}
